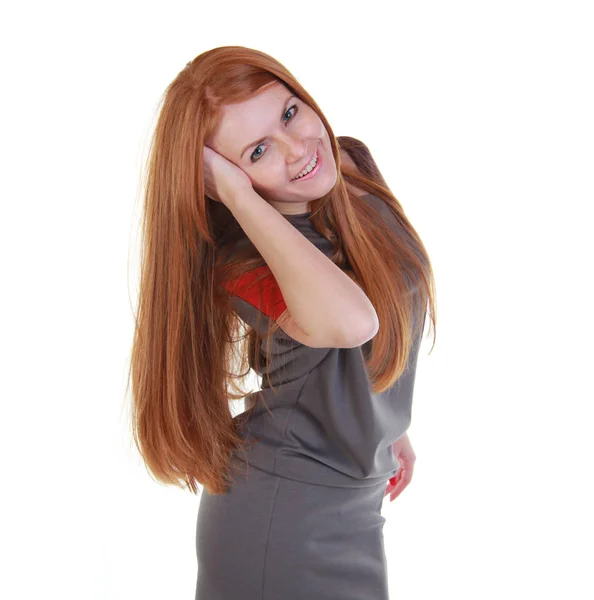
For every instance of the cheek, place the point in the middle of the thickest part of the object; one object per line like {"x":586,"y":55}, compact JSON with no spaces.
{"x":269,"y":175}
{"x":315,"y":127}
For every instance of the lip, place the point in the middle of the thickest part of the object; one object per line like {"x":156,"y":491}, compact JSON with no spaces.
{"x":316,"y":168}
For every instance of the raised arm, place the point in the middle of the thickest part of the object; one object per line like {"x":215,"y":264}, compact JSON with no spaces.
{"x":324,"y":307}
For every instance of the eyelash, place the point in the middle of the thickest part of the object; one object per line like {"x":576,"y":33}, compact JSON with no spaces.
{"x":252,"y":159}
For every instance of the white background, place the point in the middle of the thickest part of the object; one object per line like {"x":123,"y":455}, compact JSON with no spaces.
{"x":480,"y":116}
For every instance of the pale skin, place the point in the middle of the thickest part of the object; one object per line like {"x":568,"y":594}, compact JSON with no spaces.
{"x":406,"y":457}
{"x":263,"y":143}
{"x":291,"y":133}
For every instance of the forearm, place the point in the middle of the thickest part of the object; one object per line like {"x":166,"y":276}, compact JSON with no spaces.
{"x":319,"y":296}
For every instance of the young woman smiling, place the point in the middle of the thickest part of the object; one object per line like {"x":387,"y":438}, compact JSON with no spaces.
{"x":268,"y":246}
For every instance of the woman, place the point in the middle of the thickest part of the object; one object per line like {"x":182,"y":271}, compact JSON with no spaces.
{"x":256,"y":220}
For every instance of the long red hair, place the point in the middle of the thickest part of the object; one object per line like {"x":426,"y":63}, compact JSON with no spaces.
{"x":189,"y":352}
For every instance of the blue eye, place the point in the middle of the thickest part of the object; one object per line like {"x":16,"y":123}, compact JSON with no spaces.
{"x":255,"y":157}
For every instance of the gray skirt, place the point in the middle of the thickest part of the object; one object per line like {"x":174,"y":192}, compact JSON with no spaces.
{"x":273,"y":538}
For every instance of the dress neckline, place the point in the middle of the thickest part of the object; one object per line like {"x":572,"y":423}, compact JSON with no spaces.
{"x":308,"y":214}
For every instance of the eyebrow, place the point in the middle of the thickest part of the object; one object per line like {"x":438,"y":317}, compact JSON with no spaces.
{"x":258,"y":142}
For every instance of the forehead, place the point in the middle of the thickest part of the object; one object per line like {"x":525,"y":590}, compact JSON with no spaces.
{"x":242,"y":122}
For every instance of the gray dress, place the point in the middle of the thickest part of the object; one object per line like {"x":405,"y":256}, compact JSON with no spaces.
{"x":303,"y":520}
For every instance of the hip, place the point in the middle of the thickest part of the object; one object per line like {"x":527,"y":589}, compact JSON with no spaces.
{"x":291,"y":539}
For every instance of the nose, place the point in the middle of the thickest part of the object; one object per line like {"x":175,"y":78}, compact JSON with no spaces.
{"x":296,"y":150}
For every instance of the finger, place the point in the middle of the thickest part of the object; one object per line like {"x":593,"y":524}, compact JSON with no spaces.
{"x":399,"y":484}
{"x":403,"y":481}
{"x":391,"y":484}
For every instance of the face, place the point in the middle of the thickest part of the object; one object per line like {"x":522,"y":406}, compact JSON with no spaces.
{"x":272,"y":137}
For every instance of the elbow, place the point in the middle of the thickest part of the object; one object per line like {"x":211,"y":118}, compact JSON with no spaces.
{"x":364,"y":330}
{"x":371,"y":331}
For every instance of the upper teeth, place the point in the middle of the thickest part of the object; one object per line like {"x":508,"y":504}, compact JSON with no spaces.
{"x":309,"y":167}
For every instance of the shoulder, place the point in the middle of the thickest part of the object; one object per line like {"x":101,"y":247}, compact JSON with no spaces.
{"x":387,"y":213}
{"x":377,"y":203}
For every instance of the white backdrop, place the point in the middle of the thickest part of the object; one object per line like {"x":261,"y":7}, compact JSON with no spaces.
{"x":480,"y":117}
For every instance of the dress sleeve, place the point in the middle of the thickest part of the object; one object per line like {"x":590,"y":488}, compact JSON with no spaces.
{"x":253,"y":300}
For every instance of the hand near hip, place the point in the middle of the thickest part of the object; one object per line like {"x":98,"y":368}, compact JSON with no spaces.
{"x":406,"y":457}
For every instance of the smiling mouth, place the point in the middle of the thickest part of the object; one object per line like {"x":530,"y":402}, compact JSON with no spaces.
{"x":315,"y":155}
